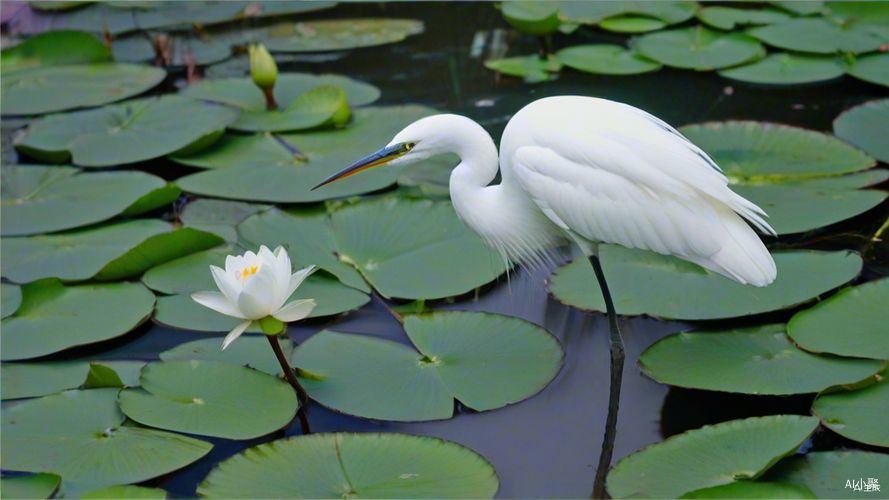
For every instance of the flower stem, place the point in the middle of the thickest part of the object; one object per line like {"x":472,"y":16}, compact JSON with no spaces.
{"x":270,"y":103}
{"x":301,"y":393}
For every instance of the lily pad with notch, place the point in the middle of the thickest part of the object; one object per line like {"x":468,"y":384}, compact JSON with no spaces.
{"x":859,"y":415}
{"x":335,"y":34}
{"x":358,"y":465}
{"x":218,"y":216}
{"x":784,"y":68}
{"x":872,"y":68}
{"x":55,"y":48}
{"x":210,"y":398}
{"x":596,"y":12}
{"x":458,"y":355}
{"x":606,"y":60}
{"x":252,"y":351}
{"x":727,"y":18}
{"x":182,"y":51}
{"x":321,"y":106}
{"x":131,"y":132}
{"x":709,"y":456}
{"x":818,"y":35}
{"x":31,"y":380}
{"x":825,"y":473}
{"x":699,"y":48}
{"x":866,"y":126}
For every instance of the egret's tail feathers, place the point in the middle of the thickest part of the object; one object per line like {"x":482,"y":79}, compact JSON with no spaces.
{"x":752,"y":213}
{"x":743,"y":257}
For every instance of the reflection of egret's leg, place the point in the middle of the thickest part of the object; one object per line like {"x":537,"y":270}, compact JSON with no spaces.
{"x":617,"y":368}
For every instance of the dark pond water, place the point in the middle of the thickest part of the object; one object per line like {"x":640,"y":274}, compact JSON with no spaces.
{"x":548,"y":445}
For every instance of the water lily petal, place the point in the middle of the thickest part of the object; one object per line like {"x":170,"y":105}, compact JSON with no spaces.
{"x":233,"y":264}
{"x":297,"y":278}
{"x":234,"y":334}
{"x":256,"y":298}
{"x":295,"y":311}
{"x":218,"y":302}
{"x":227,"y":284}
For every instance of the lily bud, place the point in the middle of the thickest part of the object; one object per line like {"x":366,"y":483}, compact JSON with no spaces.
{"x":262,"y":66}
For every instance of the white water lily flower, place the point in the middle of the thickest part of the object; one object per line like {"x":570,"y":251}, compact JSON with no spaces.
{"x":254,"y":286}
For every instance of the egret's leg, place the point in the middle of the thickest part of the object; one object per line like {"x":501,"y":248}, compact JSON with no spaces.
{"x":617,"y":368}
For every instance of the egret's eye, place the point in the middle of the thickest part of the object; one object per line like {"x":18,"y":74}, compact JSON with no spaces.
{"x":410,"y":145}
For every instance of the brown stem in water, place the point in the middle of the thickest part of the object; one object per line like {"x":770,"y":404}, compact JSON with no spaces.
{"x":270,"y":104}
{"x":301,"y":393}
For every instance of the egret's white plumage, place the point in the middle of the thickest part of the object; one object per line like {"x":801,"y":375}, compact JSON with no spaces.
{"x":596,"y":171}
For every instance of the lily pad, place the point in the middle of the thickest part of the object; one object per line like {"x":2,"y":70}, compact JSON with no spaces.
{"x":699,"y":48}
{"x":851,"y":323}
{"x":337,"y":34}
{"x":866,"y":126}
{"x":431,"y":177}
{"x":119,"y":492}
{"x":190,"y":273}
{"x":243,"y":93}
{"x":595,"y":12}
{"x":359,"y":465}
{"x":709,"y":456}
{"x":758,"y":152}
{"x":802,"y":275}
{"x":461,"y":355}
{"x":54,"y":49}
{"x":727,"y":18}
{"x":134,"y":131}
{"x":859,"y":415}
{"x":631,"y":24}
{"x":93,"y":446}
{"x":219,"y":216}
{"x":31,"y":380}
{"x":252,"y":351}
{"x":106,"y":253}
{"x":311,"y":157}
{"x":210,"y":398}
{"x":872,"y":68}
{"x":818,"y":35}
{"x":859,"y":11}
{"x":54,"y":317}
{"x":829,"y":473}
{"x":58,"y":88}
{"x":806,"y":8}
{"x":757,"y":360}
{"x":417,"y":233}
{"x":753,"y":489}
{"x":33,"y":486}
{"x":38,"y":199}
{"x":325,"y":105}
{"x":605,"y":60}
{"x":533,"y":18}
{"x":11,"y":298}
{"x":532,"y":68}
{"x":787,"y":69}
{"x":199,"y":51}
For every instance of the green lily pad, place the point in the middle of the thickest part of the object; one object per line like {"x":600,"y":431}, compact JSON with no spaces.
{"x":757,"y":360}
{"x":358,"y":465}
{"x":829,"y":474}
{"x":54,"y":317}
{"x":337,"y":34}
{"x":252,"y":351}
{"x":58,"y":88}
{"x":874,"y":12}
{"x":787,"y":69}
{"x":126,"y":492}
{"x":106,"y":253}
{"x":699,"y":48}
{"x":461,"y":355}
{"x":210,"y":398}
{"x":54,"y":48}
{"x":605,"y":60}
{"x":859,"y":415}
{"x":219,"y":216}
{"x":325,"y":105}
{"x":802,"y":275}
{"x":851,"y":323}
{"x":57,"y":5}
{"x":38,"y":199}
{"x":11,"y":298}
{"x":818,"y":35}
{"x":709,"y":456}
{"x":31,"y":380}
{"x":199,"y":51}
{"x":92,"y":446}
{"x":727,"y":18}
{"x":130,"y":132}
{"x":190,"y":273}
{"x":33,"y":486}
{"x":632,"y":24}
{"x":872,"y":68}
{"x":417,"y":232}
{"x":431,"y":177}
{"x":310,"y":156}
{"x":753,"y":489}
{"x":595,"y":12}
{"x":307,"y":233}
{"x":758,"y":152}
{"x":532,"y":68}
{"x":866,"y":126}
{"x":243,"y":93}
{"x":533,"y":18}
{"x":806,"y":8}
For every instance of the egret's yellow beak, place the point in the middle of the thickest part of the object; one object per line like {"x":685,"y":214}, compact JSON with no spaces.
{"x":381,"y":157}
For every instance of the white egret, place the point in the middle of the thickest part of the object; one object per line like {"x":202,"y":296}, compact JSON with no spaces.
{"x":590,"y":171}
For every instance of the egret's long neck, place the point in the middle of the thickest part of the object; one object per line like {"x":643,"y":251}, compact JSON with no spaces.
{"x":478,"y":154}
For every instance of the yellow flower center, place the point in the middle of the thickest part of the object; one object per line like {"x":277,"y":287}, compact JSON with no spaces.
{"x":249,"y":270}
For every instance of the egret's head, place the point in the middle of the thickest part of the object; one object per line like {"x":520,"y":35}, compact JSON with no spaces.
{"x":416,"y":142}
